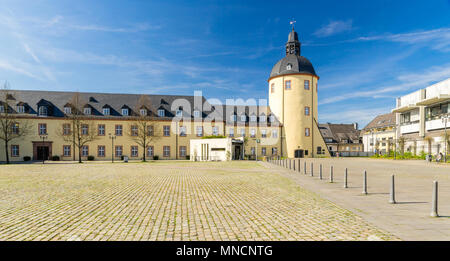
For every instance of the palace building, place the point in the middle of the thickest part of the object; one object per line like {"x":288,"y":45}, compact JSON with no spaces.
{"x":111,"y":126}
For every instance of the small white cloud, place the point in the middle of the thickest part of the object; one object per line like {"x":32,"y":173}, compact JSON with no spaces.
{"x":334,"y":27}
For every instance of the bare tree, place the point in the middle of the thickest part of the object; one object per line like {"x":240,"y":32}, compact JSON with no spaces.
{"x":78,"y":129}
{"x":429,"y":140}
{"x":401,"y":144}
{"x":142,"y":129}
{"x":11,"y":127}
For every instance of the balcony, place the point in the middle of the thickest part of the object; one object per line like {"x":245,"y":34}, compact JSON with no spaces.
{"x":409,"y":127}
{"x":435,"y":124}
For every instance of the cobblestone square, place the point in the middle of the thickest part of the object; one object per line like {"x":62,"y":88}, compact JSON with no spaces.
{"x":167,"y":201}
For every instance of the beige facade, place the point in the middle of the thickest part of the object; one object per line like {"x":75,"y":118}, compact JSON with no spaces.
{"x":296,"y":108}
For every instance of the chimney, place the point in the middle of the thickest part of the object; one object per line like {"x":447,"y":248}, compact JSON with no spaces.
{"x":355,"y":125}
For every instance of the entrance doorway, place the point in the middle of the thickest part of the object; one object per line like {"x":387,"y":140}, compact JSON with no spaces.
{"x":42,"y":150}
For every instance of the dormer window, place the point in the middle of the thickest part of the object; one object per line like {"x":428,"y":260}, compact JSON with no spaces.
{"x":179,"y":113}
{"x":196,"y":114}
{"x":253,"y":118}
{"x":125,"y":112}
{"x":233,"y":117}
{"x":243,"y":118}
{"x":67,"y":110}
{"x":161,"y":113}
{"x":2,"y":109}
{"x":20,"y":109}
{"x":43,"y":111}
{"x":272,"y":118}
{"x":262,"y":118}
{"x":143,"y":112}
{"x":289,"y":66}
{"x":106,"y":111}
{"x":87,"y":111}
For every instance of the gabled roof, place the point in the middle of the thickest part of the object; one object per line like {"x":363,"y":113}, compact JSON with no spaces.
{"x":339,"y":132}
{"x":381,"y":121}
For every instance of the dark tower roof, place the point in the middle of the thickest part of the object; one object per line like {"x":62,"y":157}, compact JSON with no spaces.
{"x":293,"y":62}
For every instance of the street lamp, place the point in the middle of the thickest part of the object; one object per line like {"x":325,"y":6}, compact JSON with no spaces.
{"x":112,"y":137}
{"x":445,"y":120}
{"x":43,"y":137}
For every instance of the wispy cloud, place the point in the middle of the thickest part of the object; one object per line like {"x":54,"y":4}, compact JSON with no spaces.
{"x":131,"y":29}
{"x":440,"y":38}
{"x":406,"y":82}
{"x":334,"y":27}
{"x":360,"y":115}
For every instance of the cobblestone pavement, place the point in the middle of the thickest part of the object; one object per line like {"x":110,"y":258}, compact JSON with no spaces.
{"x":409,"y":219}
{"x":168,"y":201}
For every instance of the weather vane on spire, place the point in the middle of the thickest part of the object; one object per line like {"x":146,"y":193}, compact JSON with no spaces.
{"x":292,"y":22}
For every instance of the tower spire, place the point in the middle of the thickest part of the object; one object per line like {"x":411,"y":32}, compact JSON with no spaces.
{"x":293,"y":44}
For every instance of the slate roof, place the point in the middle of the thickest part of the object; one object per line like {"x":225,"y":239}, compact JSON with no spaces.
{"x":339,"y":133}
{"x":57,"y":100}
{"x":381,"y":121}
{"x":299,"y":65}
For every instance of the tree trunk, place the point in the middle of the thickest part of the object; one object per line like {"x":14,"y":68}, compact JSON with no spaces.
{"x":143,"y":154}
{"x":7,"y":154}
{"x":79,"y":155}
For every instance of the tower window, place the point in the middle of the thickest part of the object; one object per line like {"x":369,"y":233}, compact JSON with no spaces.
{"x":272,"y":88}
{"x":306,"y":84}
{"x":287,"y":85}
{"x":306,"y":110}
{"x":307,"y":132}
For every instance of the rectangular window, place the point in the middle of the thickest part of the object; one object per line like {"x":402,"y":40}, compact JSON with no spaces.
{"x":166,"y":130}
{"x":134,"y":151}
{"x":253,"y":118}
{"x":199,"y":131}
{"x":196,"y":114}
{"x":119,"y":130}
{"x":84,"y":129}
{"x":20,"y":109}
{"x":274,"y":151}
{"x":287,"y":85}
{"x":67,"y":110}
{"x":233,"y":117}
{"x":183,"y":131}
{"x":143,"y":112}
{"x":166,"y":151}
{"x":263,"y":151}
{"x":231,"y":132}
{"x":118,"y":151}
{"x":161,"y":113}
{"x":101,"y":151}
{"x":2,"y":109}
{"x":306,"y":110}
{"x":101,"y":130}
{"x":307,"y":132}
{"x":87,"y":111}
{"x":105,"y":111}
{"x":42,"y":128}
{"x":150,"y":151}
{"x":14,"y":150}
{"x":243,"y":118}
{"x":306,"y":83}
{"x":272,"y":118}
{"x":274,"y":134}
{"x":66,"y":129}
{"x":15,"y":128}
{"x":262,"y":118}
{"x":252,"y":133}
{"x":67,"y":151}
{"x":179,"y":113}
{"x":124,"y":112}
{"x":149,"y":130}
{"x":263,"y":133}
{"x":272,"y":88}
{"x":182,"y":151}
{"x":253,"y":151}
{"x":242,"y":132}
{"x":85,"y":151}
{"x":215,"y":130}
{"x":134,"y":130}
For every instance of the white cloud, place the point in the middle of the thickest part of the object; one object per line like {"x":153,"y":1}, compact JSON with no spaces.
{"x":334,"y":27}
{"x":132,"y":29}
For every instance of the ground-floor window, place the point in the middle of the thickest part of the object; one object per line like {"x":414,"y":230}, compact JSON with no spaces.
{"x":166,"y":151}
{"x":85,"y":151}
{"x":274,"y":151}
{"x":263,"y":151}
{"x":118,"y":151}
{"x":252,"y":150}
{"x":134,"y":151}
{"x":66,"y":150}
{"x":101,"y":151}
{"x":150,"y":151}
{"x":15,"y":150}
{"x":182,"y":151}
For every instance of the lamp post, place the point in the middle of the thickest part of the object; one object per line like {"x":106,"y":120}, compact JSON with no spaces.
{"x":112,"y":137}
{"x":445,"y":120}
{"x":43,"y":137}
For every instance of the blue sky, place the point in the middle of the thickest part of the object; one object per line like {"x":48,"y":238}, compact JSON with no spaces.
{"x":365,"y":52}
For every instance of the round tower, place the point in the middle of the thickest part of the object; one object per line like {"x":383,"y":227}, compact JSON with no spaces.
{"x":293,"y":100}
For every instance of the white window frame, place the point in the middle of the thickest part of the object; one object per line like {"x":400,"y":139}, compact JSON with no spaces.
{"x":252,"y":133}
{"x":67,"y":151}
{"x":134,"y":151}
{"x":243,"y":117}
{"x":242,"y":132}
{"x":101,"y":151}
{"x":124,"y":112}
{"x":215,"y":130}
{"x":196,"y":113}
{"x":161,"y":113}
{"x":262,"y":118}
{"x":43,"y":111}
{"x":20,"y":109}
{"x":231,"y":132}
{"x":87,"y":111}
{"x":84,"y":151}
{"x":106,"y":111}
{"x":166,"y":149}
{"x":274,"y":133}
{"x":253,"y":118}
{"x":143,"y":112}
